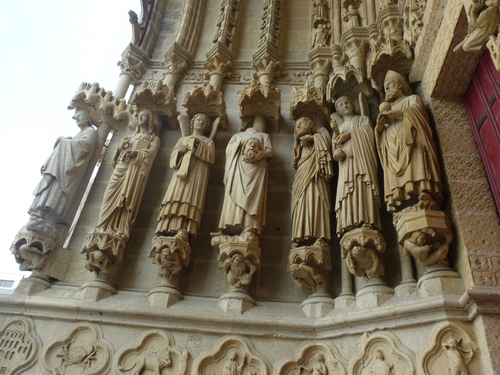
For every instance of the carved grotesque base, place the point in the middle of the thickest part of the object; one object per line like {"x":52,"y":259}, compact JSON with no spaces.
{"x":102,"y":251}
{"x":360,"y":249}
{"x":425,"y":233}
{"x":308,"y":266}
{"x":35,"y":242}
{"x":171,"y":254}
{"x":239,"y":260}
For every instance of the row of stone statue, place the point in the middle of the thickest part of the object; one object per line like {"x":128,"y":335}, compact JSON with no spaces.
{"x":412,"y":185}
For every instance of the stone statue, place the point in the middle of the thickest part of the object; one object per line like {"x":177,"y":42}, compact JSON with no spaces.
{"x":63,"y":171}
{"x":319,"y":368}
{"x":352,"y":15}
{"x":307,"y":277}
{"x":132,"y":162}
{"x":483,"y":23}
{"x":357,"y":200}
{"x":311,"y":189}
{"x":320,"y":10}
{"x":247,"y":155}
{"x":405,"y":146}
{"x":320,"y":35}
{"x":456,"y":357}
{"x":183,"y":203}
{"x":364,"y":261}
{"x":231,"y":367}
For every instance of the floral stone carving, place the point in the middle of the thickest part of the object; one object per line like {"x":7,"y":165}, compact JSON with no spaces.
{"x":452,"y":349}
{"x":19,"y":346}
{"x":316,"y":359}
{"x":156,"y":354}
{"x":260,"y":99}
{"x":308,"y":102}
{"x":157,"y":96}
{"x":232,"y":356}
{"x":82,"y":351}
{"x":382,"y":353}
{"x":207,"y":100}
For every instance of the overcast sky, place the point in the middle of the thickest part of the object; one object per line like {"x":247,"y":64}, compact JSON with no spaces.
{"x":49,"y":47}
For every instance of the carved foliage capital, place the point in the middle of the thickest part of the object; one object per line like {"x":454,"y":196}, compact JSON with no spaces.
{"x":205,"y":99}
{"x":219,"y":64}
{"x":308,"y":102}
{"x":260,"y":99}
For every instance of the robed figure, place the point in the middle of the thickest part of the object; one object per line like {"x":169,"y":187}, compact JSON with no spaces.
{"x":132,"y":162}
{"x":248,"y":154}
{"x":191,"y":158}
{"x":63,"y":171}
{"x":405,"y":146}
{"x":357,"y":201}
{"x":311,"y":206}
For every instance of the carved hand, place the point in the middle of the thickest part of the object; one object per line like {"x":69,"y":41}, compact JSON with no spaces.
{"x":342,"y":138}
{"x":307,"y":138}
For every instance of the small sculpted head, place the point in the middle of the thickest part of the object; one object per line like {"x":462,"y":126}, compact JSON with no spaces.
{"x":394,"y":85}
{"x":319,"y":357}
{"x":304,"y":126}
{"x":146,"y":121}
{"x":379,"y":354}
{"x":82,"y":119}
{"x":344,"y":106}
{"x":200,"y":123}
{"x":233,"y":356}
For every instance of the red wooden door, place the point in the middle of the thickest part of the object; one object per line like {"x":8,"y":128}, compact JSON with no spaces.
{"x":482,"y":103}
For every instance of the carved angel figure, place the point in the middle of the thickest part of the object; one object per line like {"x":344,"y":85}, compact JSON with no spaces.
{"x":311,"y":189}
{"x":320,"y":35}
{"x":357,"y":201}
{"x":63,"y":171}
{"x":245,"y":181}
{"x":405,"y":146}
{"x":132,"y":162}
{"x":232,"y":367}
{"x":191,"y":158}
{"x":483,"y":24}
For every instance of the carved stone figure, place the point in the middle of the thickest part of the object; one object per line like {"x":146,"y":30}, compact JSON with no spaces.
{"x":456,"y":357}
{"x":320,"y":35}
{"x":405,"y":146}
{"x":483,"y":24}
{"x":320,"y":11}
{"x":81,"y":354}
{"x":307,"y":277}
{"x":232,"y":367}
{"x":191,"y":158}
{"x":63,"y":171}
{"x":310,"y":190}
{"x":319,"y":368}
{"x":132,"y":162}
{"x":379,"y":366}
{"x":357,"y":201}
{"x":239,"y":271}
{"x":245,"y":180}
{"x":352,"y":15}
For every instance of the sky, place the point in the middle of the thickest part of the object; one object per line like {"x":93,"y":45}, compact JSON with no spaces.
{"x":49,"y":47}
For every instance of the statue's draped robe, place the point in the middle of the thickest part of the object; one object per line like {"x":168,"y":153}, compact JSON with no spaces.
{"x":62,"y":173}
{"x":357,"y":200}
{"x":183,"y":203}
{"x":125,"y":188}
{"x":408,"y":155}
{"x":311,"y":190}
{"x":245,"y":184}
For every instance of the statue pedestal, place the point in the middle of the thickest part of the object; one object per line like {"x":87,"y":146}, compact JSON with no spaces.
{"x":31,"y":285}
{"x":316,"y":306}
{"x":374,"y":294}
{"x":164,"y":296}
{"x":405,"y":288}
{"x":344,"y":301}
{"x":442,"y":281}
{"x":95,"y":290}
{"x":236,"y":302}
